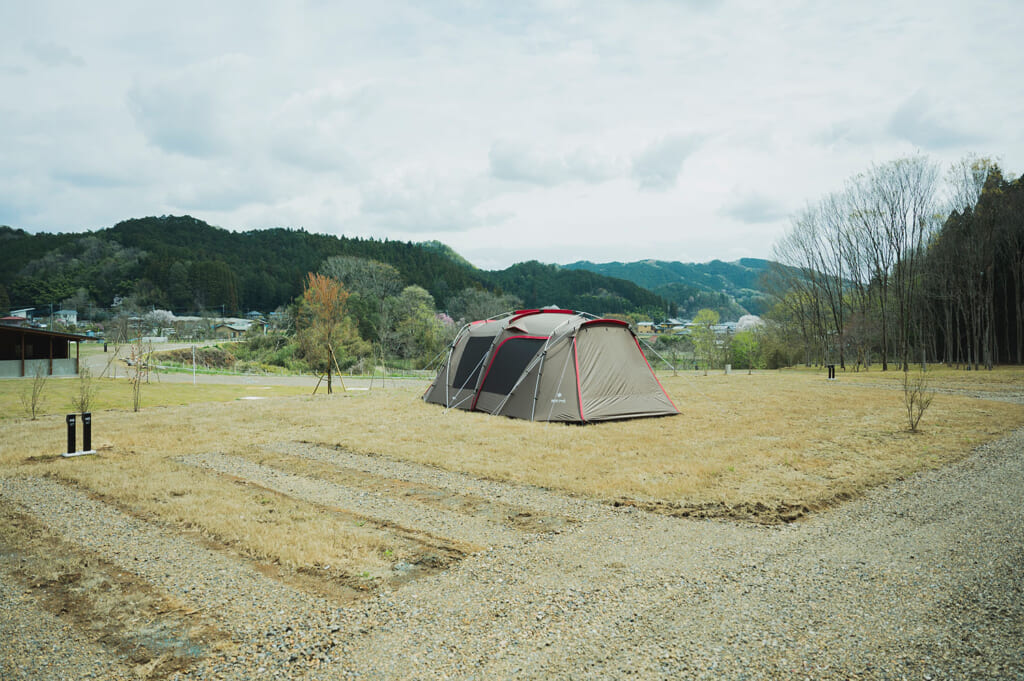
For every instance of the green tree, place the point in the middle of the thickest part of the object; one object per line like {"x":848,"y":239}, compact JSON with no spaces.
{"x":674,"y":347}
{"x":471,"y":304}
{"x":418,"y":334}
{"x":746,"y":350}
{"x":371,"y":283}
{"x":704,"y":339}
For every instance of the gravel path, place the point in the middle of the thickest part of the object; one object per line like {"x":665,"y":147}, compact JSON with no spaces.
{"x":920,"y":579}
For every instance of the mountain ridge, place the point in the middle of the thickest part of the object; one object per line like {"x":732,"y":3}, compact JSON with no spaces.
{"x":183,"y":263}
{"x":732,"y":288}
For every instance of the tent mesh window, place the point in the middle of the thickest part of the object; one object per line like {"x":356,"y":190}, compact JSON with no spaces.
{"x":471,"y":364}
{"x":509,"y":363}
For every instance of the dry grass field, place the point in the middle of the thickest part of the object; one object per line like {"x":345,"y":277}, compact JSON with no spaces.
{"x":347,"y":495}
{"x":769,"y":446}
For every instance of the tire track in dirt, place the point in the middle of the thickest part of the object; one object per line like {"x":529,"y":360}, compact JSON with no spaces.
{"x":472,"y":531}
{"x":225,"y":590}
{"x":312,"y":463}
{"x":540,"y":502}
{"x":146,"y":629}
{"x":41,"y":645}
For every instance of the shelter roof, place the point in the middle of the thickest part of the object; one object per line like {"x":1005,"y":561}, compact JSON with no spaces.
{"x":44,"y":332}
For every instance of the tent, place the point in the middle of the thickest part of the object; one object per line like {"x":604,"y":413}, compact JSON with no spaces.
{"x":550,"y":365}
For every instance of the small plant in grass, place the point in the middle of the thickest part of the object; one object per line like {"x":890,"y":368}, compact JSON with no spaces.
{"x":138,"y":372}
{"x":81,"y":400}
{"x":917,"y":397}
{"x":31,"y":395}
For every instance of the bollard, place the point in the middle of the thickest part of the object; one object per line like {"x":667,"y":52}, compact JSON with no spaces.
{"x":71,"y":433}
{"x":86,"y":431}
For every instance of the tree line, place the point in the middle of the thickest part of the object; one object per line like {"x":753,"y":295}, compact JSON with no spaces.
{"x":906,"y":264}
{"x":182,"y":264}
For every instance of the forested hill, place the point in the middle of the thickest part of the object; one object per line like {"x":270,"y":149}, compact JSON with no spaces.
{"x":185,"y":265}
{"x":732,"y":288}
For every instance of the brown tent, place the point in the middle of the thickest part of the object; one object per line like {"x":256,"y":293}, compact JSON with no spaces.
{"x":550,"y":365}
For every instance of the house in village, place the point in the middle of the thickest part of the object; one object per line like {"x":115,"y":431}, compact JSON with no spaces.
{"x":236,"y":328}
{"x":67,"y":317}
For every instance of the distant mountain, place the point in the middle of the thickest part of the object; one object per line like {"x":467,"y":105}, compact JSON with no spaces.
{"x":731,"y":288}
{"x":445,"y":250}
{"x":540,"y":285}
{"x":186,"y":265}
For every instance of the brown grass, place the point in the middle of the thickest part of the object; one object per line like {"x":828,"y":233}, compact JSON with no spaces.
{"x":780,"y":439}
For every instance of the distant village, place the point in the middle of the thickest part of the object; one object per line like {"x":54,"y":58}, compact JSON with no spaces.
{"x":685,"y":326}
{"x":162,"y":325}
{"x":156,"y":325}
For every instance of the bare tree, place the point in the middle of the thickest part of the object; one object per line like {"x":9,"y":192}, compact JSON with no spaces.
{"x":892,"y":210}
{"x":814,"y":251}
{"x":917,"y":397}
{"x":82,"y":400}
{"x":31,"y":395}
{"x":138,"y":368}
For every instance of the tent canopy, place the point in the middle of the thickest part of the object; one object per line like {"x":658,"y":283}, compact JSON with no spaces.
{"x":550,"y":365}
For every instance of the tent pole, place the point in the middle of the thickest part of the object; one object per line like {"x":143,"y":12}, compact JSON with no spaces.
{"x":656,"y":354}
{"x":536,"y":386}
{"x":558,"y":388}
{"x":447,"y":375}
{"x":519,"y":381}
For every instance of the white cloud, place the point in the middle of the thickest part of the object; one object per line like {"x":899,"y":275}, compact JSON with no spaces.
{"x":658,"y":166}
{"x":190,"y":111}
{"x":922,"y":123}
{"x":554,"y":130}
{"x":420,"y":201}
{"x":52,"y":54}
{"x":518,"y":163}
{"x":754,"y":208}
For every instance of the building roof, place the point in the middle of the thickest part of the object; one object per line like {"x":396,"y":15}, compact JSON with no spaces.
{"x":45,"y":332}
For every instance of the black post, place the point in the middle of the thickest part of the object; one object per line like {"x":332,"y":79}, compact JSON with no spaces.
{"x":71,"y":433}
{"x":86,"y":431}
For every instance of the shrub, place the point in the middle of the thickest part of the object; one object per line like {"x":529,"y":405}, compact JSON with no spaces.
{"x":917,"y":397}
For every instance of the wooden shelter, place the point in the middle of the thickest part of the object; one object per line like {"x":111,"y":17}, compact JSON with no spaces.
{"x":24,"y":350}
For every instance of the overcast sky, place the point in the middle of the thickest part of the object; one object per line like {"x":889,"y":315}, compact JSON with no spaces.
{"x":552,"y":130}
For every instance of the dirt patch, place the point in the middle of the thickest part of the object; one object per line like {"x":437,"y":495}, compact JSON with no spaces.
{"x":157,"y":635}
{"x":757,"y":512}
{"x":323,"y":581}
